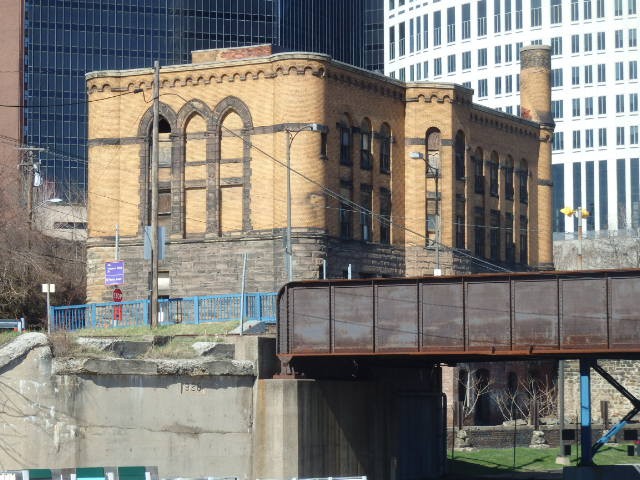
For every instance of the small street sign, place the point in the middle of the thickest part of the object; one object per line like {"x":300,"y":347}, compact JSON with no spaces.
{"x":114,"y":273}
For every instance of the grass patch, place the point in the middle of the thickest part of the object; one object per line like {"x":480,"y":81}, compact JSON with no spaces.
{"x":204,"y":330}
{"x":7,"y":336}
{"x":500,"y":460}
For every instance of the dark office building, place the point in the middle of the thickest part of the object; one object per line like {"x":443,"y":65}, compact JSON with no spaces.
{"x":65,"y":39}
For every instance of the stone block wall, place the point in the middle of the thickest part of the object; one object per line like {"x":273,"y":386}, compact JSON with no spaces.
{"x":627,"y":372}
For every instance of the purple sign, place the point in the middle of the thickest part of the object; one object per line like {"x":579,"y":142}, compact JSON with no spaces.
{"x":114,"y":273}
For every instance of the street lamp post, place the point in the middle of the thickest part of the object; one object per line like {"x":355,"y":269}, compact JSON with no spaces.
{"x":435,"y":172}
{"x":291,"y":135}
{"x":48,"y":288}
{"x":580,"y":213}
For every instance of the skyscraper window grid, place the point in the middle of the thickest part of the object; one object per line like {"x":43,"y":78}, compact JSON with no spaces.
{"x":599,"y":61}
{"x":64,"y":40}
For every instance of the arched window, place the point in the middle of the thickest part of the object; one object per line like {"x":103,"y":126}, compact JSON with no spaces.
{"x":385,"y":148}
{"x":483,"y":405}
{"x":523,"y":175}
{"x":366,"y":160}
{"x":432,"y":171}
{"x":434,"y":143}
{"x":164,"y":174}
{"x":508,"y":178}
{"x":478,"y":172}
{"x":345,"y":142}
{"x":231,"y":173}
{"x":195,"y":177}
{"x":459,"y":149}
{"x":494,"y":164}
{"x":385,"y":215}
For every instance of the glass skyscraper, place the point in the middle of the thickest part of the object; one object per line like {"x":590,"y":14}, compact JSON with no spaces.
{"x":65,"y":39}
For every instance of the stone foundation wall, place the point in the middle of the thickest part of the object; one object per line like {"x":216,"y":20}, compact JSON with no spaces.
{"x":502,"y":436}
{"x":627,"y":372}
{"x":214,"y":266}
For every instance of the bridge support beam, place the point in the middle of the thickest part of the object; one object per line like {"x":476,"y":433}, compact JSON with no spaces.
{"x":585,"y":412}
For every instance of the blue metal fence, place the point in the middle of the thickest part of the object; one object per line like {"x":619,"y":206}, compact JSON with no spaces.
{"x":188,"y":310}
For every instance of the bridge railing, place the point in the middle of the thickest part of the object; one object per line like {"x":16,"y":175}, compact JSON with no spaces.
{"x":188,"y":310}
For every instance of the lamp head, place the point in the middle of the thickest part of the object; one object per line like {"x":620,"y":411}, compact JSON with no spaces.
{"x":568,"y":211}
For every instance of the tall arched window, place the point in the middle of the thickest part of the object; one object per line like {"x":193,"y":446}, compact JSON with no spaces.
{"x":164,"y":174}
{"x":195,"y":177}
{"x":385,"y":148}
{"x":483,"y":405}
{"x":345,"y":142}
{"x":478,"y":172}
{"x":523,"y":175}
{"x":494,"y":164}
{"x":508,"y":178}
{"x":432,"y":171}
{"x":231,"y":173}
{"x":459,"y":149}
{"x":366,"y":160}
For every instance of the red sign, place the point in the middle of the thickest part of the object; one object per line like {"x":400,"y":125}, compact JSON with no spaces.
{"x":117,"y":295}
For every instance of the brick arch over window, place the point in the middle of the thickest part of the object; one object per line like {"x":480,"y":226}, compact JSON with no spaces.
{"x":227,"y":106}
{"x":191,"y":108}
{"x":190,"y":172}
{"x":146,"y":122}
{"x":168,"y":155}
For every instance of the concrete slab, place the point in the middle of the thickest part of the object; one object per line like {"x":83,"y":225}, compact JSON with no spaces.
{"x":604,"y":472}
{"x":252,"y":327}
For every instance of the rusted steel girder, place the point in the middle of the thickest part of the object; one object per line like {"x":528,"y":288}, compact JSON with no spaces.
{"x":547,"y":314}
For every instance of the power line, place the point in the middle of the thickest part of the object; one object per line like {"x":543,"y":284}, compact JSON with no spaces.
{"x":380,"y":218}
{"x":81,"y":102}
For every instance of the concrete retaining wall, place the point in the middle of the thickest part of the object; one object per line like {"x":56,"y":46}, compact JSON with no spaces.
{"x":204,"y":417}
{"x":194,"y":425}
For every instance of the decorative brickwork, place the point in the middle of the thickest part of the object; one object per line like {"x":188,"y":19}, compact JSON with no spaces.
{"x":230,"y":123}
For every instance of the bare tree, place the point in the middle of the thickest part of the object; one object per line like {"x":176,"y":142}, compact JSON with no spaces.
{"x":530,"y":393}
{"x":473,"y":386}
{"x":28,"y":258}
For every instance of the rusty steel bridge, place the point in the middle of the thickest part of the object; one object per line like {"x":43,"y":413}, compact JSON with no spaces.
{"x":585,"y":315}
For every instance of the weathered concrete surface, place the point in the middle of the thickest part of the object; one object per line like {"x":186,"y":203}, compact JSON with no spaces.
{"x":320,"y":428}
{"x":187,"y":417}
{"x":202,"y":418}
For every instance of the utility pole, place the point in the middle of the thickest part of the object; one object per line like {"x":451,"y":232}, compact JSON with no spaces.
{"x":291,"y":136}
{"x":31,"y":166}
{"x":155,"y":156}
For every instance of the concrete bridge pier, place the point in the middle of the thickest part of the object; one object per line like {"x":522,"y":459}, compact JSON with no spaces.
{"x":390,"y":425}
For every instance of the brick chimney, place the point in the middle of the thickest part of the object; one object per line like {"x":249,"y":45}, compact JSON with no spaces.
{"x":535,"y":105}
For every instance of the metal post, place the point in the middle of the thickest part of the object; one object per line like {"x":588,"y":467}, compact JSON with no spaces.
{"x":561,"y":403}
{"x":155,"y":156}
{"x":117,"y":241}
{"x":242,"y":294}
{"x":439,"y":272}
{"x":48,"y":310}
{"x":288,"y":251}
{"x":585,"y":412}
{"x":579,"y":238}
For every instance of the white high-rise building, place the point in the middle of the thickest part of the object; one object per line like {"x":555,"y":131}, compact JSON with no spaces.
{"x":595,"y":86}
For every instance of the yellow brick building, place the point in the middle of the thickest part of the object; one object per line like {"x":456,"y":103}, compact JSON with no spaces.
{"x":367,"y":156}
